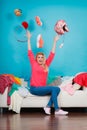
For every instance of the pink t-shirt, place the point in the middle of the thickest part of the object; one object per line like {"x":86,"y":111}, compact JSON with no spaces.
{"x":39,"y":76}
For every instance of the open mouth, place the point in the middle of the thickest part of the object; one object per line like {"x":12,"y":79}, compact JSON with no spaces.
{"x":40,"y":61}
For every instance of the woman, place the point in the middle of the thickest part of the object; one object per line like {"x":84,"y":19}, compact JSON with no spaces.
{"x":39,"y":77}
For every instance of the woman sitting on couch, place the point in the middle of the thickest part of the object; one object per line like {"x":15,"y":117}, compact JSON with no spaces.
{"x":39,"y":75}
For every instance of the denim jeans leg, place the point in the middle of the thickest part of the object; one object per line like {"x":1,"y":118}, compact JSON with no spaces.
{"x":53,"y":99}
{"x":42,"y":91}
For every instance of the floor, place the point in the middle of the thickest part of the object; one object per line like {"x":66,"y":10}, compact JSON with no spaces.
{"x":38,"y":120}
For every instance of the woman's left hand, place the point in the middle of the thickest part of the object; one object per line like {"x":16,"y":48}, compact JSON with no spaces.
{"x":56,"y":38}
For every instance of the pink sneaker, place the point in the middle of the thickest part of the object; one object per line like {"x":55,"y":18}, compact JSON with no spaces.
{"x":47,"y":110}
{"x":61,"y":112}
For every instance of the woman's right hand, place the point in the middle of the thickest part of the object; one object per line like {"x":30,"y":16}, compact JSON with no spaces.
{"x":28,"y":34}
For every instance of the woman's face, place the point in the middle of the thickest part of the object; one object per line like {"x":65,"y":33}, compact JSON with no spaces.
{"x":40,"y":59}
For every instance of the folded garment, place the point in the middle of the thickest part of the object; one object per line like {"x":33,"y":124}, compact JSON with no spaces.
{"x":69,"y":89}
{"x":16,"y":102}
{"x":55,"y":82}
{"x":23,"y":91}
{"x":13,"y":78}
{"x":13,"y":88}
{"x":5,"y":82}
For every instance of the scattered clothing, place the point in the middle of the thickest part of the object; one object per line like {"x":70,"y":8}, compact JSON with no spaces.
{"x":13,"y":78}
{"x":16,"y":102}
{"x":14,"y":88}
{"x":67,"y":85}
{"x":69,"y":89}
{"x":23,"y":91}
{"x":81,"y":79}
{"x":5,"y":82}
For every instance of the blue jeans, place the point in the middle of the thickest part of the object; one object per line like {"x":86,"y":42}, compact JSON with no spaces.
{"x":48,"y":90}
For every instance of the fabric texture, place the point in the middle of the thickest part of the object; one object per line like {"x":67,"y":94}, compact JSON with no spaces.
{"x":16,"y":102}
{"x":14,"y":88}
{"x":48,"y":90}
{"x":5,"y":82}
{"x":81,"y":79}
{"x":55,"y":82}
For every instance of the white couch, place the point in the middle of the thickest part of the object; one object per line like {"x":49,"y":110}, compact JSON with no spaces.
{"x":78,"y":99}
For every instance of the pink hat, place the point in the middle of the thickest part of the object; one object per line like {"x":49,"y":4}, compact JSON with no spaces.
{"x":61,"y":27}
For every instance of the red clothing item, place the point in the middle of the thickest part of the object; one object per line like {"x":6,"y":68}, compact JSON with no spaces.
{"x":5,"y":82}
{"x":81,"y":79}
{"x":39,"y":76}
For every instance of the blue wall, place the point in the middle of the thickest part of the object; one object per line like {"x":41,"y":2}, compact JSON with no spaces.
{"x":69,"y":60}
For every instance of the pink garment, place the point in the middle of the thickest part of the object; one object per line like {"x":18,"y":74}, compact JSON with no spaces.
{"x":81,"y":79}
{"x":5,"y":82}
{"x":69,"y":89}
{"x":39,"y":76}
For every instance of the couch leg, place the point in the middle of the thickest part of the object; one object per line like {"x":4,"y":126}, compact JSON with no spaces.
{"x":1,"y":110}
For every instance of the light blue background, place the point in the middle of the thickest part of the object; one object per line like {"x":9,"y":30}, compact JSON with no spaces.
{"x":69,"y":60}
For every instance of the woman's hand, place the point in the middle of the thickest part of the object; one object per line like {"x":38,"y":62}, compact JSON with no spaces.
{"x":28,"y":34}
{"x":56,"y":38}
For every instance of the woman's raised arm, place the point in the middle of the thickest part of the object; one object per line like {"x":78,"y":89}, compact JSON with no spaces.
{"x":29,"y":36}
{"x":56,"y":38}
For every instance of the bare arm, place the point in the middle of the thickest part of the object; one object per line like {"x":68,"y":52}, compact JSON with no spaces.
{"x":29,"y":36}
{"x":56,"y":38}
